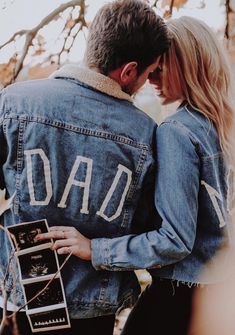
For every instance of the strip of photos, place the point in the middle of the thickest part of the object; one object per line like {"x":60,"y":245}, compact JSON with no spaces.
{"x":40,"y":277}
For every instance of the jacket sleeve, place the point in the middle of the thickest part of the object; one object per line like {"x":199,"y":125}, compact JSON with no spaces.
{"x":176,"y":200}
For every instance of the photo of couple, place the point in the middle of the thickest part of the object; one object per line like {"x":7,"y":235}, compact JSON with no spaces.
{"x":120,"y":192}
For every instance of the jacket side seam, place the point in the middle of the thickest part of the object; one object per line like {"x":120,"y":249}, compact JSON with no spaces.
{"x":19,"y":164}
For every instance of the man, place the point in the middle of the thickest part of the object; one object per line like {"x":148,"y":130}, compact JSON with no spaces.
{"x":76,"y":151}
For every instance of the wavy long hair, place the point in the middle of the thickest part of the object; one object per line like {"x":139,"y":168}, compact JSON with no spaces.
{"x":202,"y":75}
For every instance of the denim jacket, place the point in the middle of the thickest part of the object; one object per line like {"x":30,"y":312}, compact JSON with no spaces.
{"x":77,"y":152}
{"x":190,"y":196}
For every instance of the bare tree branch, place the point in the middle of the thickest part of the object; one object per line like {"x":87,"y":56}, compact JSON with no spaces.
{"x":81,"y":20}
{"x":12,"y":39}
{"x":155,"y":3}
{"x":171,"y":6}
{"x":227,"y":10}
{"x":30,"y":34}
{"x":4,"y":321}
{"x":168,"y":13}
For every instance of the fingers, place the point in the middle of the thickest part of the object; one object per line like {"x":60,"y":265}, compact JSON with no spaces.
{"x":64,"y":251}
{"x":68,"y":250}
{"x":64,"y":243}
{"x":53,"y":234}
{"x":81,"y":249}
{"x":57,"y":233}
{"x":67,"y":240}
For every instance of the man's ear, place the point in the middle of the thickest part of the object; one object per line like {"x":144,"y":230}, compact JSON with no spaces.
{"x":125,"y":74}
{"x":128,"y":73}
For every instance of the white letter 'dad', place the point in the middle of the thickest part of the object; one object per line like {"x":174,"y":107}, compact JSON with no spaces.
{"x":121,"y":170}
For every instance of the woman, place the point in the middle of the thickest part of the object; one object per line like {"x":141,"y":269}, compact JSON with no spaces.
{"x":194,"y":152}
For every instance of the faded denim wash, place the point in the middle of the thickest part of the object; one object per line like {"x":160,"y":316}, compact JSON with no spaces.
{"x":81,"y":158}
{"x":190,"y":196}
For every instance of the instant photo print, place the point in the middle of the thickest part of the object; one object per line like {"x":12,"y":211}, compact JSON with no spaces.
{"x":46,"y":306}
{"x":39,"y":263}
{"x":49,"y":320}
{"x":23,"y":235}
{"x":52,"y":295}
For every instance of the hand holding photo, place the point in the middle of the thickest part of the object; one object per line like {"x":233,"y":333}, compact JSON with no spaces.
{"x":23,"y":235}
{"x":68,"y":240}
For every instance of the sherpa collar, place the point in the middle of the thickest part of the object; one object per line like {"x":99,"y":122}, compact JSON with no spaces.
{"x":94,"y":79}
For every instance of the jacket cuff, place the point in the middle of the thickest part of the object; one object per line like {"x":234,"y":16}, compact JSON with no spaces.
{"x":100,"y":254}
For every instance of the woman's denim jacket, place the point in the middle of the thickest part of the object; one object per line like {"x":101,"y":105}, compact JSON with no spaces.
{"x":190,"y":196}
{"x":77,"y":152}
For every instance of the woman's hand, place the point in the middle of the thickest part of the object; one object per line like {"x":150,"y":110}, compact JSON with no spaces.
{"x":68,"y":239}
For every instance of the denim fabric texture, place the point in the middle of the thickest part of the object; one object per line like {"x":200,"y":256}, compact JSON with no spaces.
{"x":190,"y":196}
{"x":77,"y":155}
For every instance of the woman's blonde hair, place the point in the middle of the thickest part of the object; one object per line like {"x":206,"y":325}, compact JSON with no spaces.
{"x":197,"y":70}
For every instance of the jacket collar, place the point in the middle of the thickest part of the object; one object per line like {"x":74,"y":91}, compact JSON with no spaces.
{"x":94,"y":79}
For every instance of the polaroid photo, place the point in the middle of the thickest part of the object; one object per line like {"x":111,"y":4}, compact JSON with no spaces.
{"x":52,"y":295}
{"x":49,"y":320}
{"x":39,"y":263}
{"x":23,"y":235}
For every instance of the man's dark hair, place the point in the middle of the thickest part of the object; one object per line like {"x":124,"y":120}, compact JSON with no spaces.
{"x":124,"y":31}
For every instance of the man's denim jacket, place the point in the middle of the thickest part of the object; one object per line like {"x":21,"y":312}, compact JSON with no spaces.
{"x":76,"y":151}
{"x":190,"y":196}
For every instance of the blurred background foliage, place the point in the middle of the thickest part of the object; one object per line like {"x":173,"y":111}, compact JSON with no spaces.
{"x":60,"y":36}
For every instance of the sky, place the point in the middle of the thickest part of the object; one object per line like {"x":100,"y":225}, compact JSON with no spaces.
{"x":25,"y":14}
